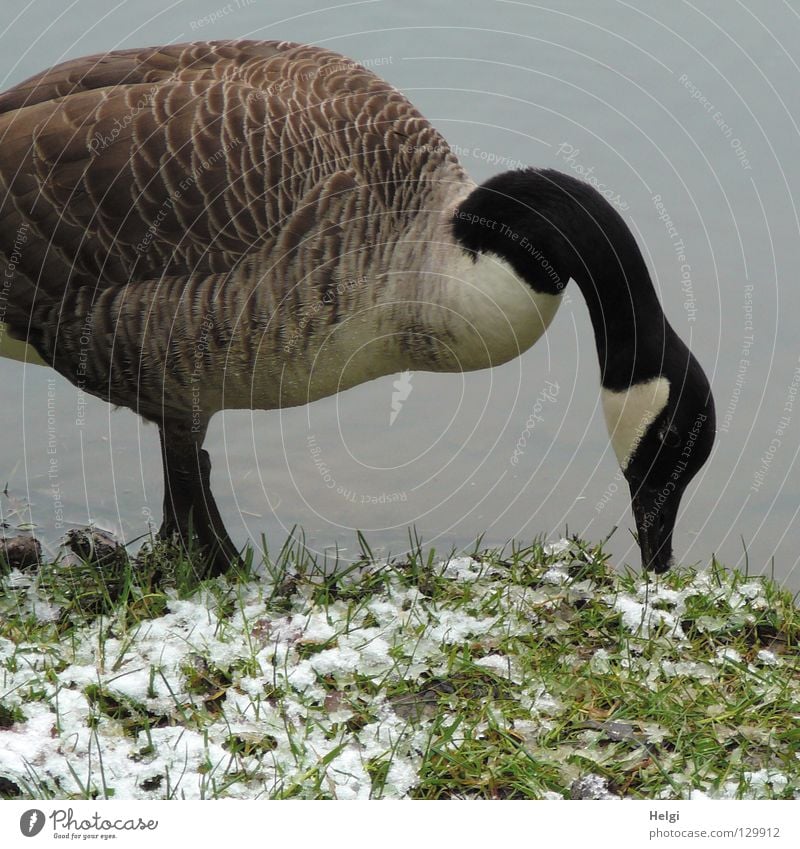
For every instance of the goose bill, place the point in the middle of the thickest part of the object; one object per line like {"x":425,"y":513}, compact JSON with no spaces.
{"x":655,"y":511}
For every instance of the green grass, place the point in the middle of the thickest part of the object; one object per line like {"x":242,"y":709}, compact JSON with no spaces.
{"x":516,"y":674}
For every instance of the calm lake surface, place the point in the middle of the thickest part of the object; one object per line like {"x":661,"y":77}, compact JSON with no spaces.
{"x":685,"y":114}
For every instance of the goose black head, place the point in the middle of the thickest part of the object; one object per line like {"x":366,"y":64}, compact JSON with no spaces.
{"x":660,"y":413}
{"x":662,"y":431}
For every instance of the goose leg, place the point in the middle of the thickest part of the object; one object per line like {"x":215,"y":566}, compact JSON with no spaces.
{"x":189,"y":506}
{"x":210,"y":527}
{"x":177,"y":492}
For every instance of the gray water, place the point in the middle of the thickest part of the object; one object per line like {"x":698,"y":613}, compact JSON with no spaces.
{"x":686,"y":114}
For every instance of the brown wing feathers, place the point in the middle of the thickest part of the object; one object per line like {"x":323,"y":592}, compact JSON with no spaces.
{"x":144,"y":182}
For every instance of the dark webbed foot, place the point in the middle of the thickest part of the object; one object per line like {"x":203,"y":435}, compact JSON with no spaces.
{"x":190,"y":512}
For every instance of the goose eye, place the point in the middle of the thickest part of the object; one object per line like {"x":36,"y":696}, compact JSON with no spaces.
{"x":670,"y":436}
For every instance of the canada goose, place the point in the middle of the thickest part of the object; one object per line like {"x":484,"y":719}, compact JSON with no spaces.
{"x":253,"y":224}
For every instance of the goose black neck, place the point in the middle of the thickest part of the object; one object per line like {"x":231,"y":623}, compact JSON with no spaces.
{"x":551,"y":227}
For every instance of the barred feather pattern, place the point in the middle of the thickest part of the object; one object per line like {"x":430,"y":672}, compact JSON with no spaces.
{"x":250,"y":224}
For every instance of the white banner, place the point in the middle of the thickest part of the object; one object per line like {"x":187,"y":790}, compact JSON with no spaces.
{"x":464,"y":824}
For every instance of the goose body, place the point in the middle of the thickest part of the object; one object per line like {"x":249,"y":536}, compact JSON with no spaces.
{"x":248,"y":224}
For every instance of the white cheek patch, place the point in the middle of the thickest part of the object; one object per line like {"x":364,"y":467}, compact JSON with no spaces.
{"x":630,"y":412}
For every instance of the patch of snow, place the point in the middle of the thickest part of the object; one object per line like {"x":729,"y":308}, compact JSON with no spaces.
{"x":374,"y":653}
{"x":735,"y":600}
{"x":455,"y":627}
{"x":339,"y":661}
{"x":462,"y":568}
{"x":29,"y":743}
{"x":316,"y":628}
{"x":403,"y":775}
{"x":641,"y":617}
{"x":72,"y":708}
{"x":592,"y":786}
{"x":348,"y":777}
{"x":703,"y":672}
{"x":386,"y":612}
{"x":559,"y":547}
{"x":760,"y":779}
{"x":530,"y":730}
{"x":600,"y":662}
{"x":711,"y":624}
{"x":666,"y":596}
{"x":133,"y":684}
{"x":556,"y":574}
{"x":541,"y":702}
{"x":757,"y":784}
{"x":699,"y":796}
{"x":302,"y":676}
{"x":729,"y":654}
{"x":44,"y":611}
{"x":7,"y":648}
{"x":306,"y":726}
{"x":80,"y":676}
{"x":498,"y":662}
{"x":752,"y":590}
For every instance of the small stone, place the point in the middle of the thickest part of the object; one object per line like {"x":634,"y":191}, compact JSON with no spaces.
{"x":591,"y":786}
{"x":21,"y":552}
{"x":95,"y":546}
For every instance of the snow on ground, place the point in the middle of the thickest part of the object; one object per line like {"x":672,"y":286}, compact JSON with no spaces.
{"x":112,"y":708}
{"x":658,"y":608}
{"x":193,"y":704}
{"x":757,"y":784}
